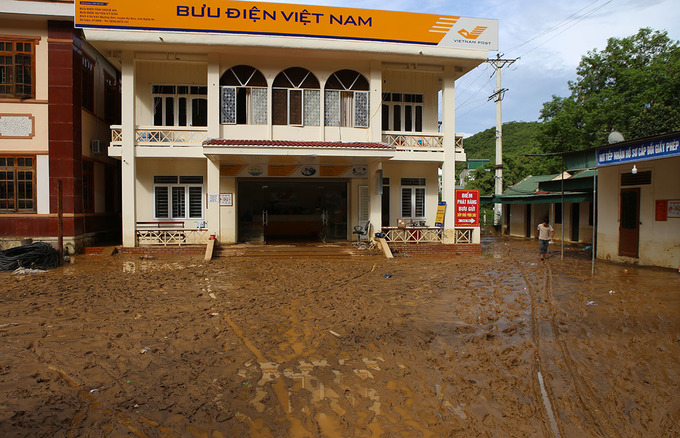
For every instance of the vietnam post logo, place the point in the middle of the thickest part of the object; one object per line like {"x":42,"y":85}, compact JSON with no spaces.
{"x":474,"y":34}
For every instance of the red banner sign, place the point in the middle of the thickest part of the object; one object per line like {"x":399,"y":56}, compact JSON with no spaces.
{"x":467,"y":208}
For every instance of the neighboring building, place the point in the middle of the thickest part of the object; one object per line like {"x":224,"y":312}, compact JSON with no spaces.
{"x":638,"y":201}
{"x":264,"y":121}
{"x":468,"y":174}
{"x":530,"y":201}
{"x":58,"y":97}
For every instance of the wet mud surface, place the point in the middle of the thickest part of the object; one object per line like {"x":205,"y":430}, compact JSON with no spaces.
{"x":497,"y":345}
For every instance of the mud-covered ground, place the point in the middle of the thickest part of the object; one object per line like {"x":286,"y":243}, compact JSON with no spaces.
{"x":497,"y":345}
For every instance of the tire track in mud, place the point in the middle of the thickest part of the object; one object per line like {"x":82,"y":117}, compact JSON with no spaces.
{"x":541,"y":391}
{"x":590,"y":403}
{"x":601,"y":422}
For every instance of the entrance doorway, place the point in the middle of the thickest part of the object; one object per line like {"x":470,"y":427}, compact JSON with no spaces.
{"x":575,"y":215}
{"x":294,"y":211}
{"x":629,"y":228}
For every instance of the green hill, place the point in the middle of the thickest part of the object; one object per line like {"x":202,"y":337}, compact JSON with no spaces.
{"x":519,"y":139}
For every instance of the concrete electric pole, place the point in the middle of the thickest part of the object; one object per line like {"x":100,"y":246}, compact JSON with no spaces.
{"x":498,"y":64}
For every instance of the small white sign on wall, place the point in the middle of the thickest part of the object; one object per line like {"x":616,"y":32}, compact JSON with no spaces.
{"x":227,"y":199}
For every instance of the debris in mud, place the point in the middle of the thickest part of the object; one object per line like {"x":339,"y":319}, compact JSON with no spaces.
{"x":591,"y":303}
{"x":388,"y":275}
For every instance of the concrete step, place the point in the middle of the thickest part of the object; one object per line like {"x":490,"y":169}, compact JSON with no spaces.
{"x":288,"y":251}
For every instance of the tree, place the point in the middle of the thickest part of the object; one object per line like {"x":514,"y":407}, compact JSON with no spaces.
{"x":519,"y":140}
{"x":632,"y":86}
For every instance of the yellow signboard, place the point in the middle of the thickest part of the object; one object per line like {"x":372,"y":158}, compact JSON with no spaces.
{"x":256,"y":18}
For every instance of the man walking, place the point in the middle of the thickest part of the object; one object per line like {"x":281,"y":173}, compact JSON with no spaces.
{"x":544,"y":234}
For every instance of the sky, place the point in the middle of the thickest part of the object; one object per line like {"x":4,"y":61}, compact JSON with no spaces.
{"x":548,"y":39}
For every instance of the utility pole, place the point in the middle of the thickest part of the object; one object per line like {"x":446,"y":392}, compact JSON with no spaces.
{"x":498,"y":64}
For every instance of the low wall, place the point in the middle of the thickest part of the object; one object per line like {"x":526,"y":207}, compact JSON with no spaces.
{"x":436,"y":248}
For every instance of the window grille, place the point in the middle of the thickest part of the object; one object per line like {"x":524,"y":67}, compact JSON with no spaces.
{"x":178,"y":197}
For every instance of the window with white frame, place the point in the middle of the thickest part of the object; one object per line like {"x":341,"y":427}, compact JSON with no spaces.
{"x":296,"y":98}
{"x":243,"y":91}
{"x":346,"y":100}
{"x":180,"y":105}
{"x":413,"y":198}
{"x":178,"y":197}
{"x":17,"y":184}
{"x":402,"y":112}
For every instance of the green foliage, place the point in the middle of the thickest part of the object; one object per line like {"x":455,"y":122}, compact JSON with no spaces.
{"x":633,"y":86}
{"x":519,"y":139}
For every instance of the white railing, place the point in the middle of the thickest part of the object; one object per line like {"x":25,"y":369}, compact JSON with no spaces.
{"x":165,"y":136}
{"x":413,"y":234}
{"x":424,"y":235}
{"x":173,"y":236}
{"x":420,"y":141}
{"x":463,"y":235}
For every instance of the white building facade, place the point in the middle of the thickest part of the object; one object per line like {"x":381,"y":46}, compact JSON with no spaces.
{"x":250,"y":133}
{"x":638,"y":201}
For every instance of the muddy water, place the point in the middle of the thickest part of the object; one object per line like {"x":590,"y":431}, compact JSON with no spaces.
{"x":497,"y":345}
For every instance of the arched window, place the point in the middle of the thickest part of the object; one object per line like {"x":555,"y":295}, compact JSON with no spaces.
{"x":243,"y":96}
{"x":346,"y":99}
{"x":296,"y":98}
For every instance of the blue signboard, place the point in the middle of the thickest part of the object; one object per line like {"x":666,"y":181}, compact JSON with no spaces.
{"x":646,"y":150}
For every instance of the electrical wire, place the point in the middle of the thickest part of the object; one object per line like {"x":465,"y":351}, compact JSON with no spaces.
{"x":38,"y":255}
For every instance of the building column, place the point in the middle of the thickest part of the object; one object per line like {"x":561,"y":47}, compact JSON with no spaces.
{"x":212,"y":215}
{"x":375,"y":104}
{"x":449,"y":164}
{"x":128,"y":165}
{"x":375,"y":197}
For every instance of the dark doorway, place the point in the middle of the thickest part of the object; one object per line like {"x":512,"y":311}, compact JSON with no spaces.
{"x":629,"y":223}
{"x":507,"y":209}
{"x":528,"y":225}
{"x":575,"y":214}
{"x":386,"y":206}
{"x":296,"y":211}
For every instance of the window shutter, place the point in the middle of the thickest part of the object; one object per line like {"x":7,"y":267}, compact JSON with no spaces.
{"x":228,"y":106}
{"x":332,"y":108}
{"x":195,"y":202}
{"x":406,"y":210}
{"x":178,"y":202}
{"x":161,"y":200}
{"x":312,"y":104}
{"x":420,"y":202}
{"x":364,"y":203}
{"x":361,"y":109}
{"x":258,"y":98}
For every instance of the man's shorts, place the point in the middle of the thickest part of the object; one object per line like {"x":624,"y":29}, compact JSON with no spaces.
{"x":543,"y":246}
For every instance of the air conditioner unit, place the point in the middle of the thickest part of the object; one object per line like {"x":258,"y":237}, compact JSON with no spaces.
{"x":97,"y":147}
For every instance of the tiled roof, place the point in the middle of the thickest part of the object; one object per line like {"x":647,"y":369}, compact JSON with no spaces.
{"x":296,"y":144}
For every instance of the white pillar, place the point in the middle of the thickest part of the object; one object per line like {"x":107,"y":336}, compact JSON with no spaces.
{"x":375,"y":203}
{"x":213,"y":211}
{"x":128,"y":165}
{"x":375,"y":104}
{"x":214,"y":95}
{"x":449,"y":165}
{"x":212,"y":215}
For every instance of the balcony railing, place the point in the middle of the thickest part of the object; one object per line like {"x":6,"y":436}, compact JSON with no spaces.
{"x":418,"y":141}
{"x":162,"y":136}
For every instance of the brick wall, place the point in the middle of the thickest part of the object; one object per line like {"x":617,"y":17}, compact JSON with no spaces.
{"x":436,"y":248}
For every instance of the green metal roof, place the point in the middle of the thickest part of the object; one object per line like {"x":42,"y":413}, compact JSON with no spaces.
{"x":581,"y":182}
{"x":525,"y":191}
